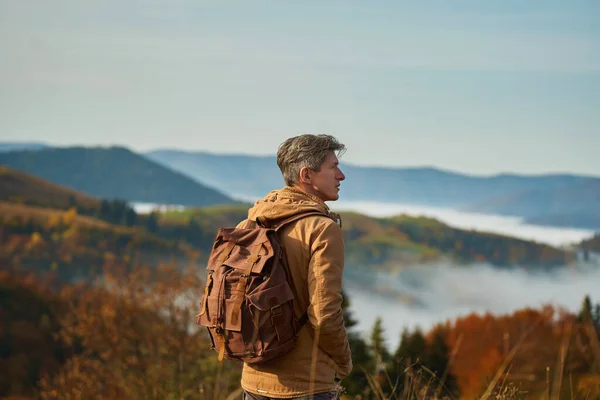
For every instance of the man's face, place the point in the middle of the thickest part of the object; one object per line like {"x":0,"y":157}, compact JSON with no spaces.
{"x":326,"y":181}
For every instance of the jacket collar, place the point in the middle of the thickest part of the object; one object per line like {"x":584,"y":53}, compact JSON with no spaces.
{"x":310,"y":196}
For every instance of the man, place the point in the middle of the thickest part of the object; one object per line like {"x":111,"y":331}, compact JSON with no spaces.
{"x":315,"y":252}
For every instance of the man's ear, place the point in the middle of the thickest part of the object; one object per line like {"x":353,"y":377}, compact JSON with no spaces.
{"x":304,"y":175}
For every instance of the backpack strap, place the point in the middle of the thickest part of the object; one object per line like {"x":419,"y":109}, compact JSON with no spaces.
{"x":240,"y":289}
{"x":263,"y":222}
{"x":207,"y":288}
{"x":303,"y":319}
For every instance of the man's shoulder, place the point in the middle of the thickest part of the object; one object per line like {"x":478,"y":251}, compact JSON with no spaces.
{"x":320,"y":223}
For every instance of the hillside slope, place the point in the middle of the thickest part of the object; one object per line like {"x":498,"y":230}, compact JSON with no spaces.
{"x":114,"y":173}
{"x":21,"y":187}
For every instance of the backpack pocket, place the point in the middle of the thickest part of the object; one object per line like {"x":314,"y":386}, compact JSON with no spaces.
{"x":274,"y":307}
{"x":212,"y":314}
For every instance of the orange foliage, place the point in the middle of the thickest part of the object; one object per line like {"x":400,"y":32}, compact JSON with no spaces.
{"x":537,"y":337}
{"x":138,"y":336}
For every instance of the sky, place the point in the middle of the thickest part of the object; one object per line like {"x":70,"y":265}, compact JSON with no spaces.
{"x":480,"y":87}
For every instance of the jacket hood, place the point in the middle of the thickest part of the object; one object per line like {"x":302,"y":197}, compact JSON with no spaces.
{"x":284,"y":203}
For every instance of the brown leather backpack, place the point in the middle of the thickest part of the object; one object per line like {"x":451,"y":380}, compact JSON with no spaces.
{"x":247,"y":304}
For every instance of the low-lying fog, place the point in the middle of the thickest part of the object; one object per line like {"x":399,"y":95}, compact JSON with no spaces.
{"x":425,"y":295}
{"x":511,"y":226}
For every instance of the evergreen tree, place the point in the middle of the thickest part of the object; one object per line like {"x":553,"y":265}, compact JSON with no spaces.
{"x":402,"y":350}
{"x":152,"y":222}
{"x":71,"y":200}
{"x":436,"y":355}
{"x":355,"y":383}
{"x":380,"y":356}
{"x":410,"y":351}
{"x":349,"y":320}
{"x":407,"y":360}
{"x":400,"y":361}
{"x":193,"y":233}
{"x":378,"y":346}
{"x":119,"y":209}
{"x":436,"y":359}
{"x":416,"y":346}
{"x":104,"y":212}
{"x":130,"y":217}
{"x":585,"y":314}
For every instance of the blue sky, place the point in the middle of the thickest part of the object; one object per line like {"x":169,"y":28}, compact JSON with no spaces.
{"x":473,"y":86}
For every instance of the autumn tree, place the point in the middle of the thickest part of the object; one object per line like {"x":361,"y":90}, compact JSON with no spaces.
{"x":134,"y":336}
{"x":28,"y":326}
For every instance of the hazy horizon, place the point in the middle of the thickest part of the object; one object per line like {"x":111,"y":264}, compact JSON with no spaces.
{"x":242,"y":197}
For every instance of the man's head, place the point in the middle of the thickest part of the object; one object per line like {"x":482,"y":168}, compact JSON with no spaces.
{"x":310,"y":163}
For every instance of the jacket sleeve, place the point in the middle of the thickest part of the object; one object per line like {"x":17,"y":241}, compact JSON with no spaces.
{"x":325,"y":292}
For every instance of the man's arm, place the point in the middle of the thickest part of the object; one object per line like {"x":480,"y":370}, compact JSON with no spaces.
{"x":325,"y":292}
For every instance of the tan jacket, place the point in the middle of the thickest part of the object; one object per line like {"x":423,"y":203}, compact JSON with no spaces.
{"x":315,"y":251}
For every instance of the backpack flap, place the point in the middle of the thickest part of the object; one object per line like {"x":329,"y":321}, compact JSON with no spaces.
{"x":233,"y":247}
{"x":274,"y":296}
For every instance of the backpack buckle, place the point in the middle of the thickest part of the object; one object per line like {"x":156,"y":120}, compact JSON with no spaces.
{"x":276,"y":310}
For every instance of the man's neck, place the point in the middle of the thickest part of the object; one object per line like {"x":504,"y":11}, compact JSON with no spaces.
{"x":307,"y":189}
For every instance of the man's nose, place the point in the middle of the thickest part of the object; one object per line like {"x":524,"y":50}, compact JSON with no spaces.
{"x":341,"y":176}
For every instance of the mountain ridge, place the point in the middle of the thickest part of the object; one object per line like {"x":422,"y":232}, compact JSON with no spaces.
{"x":114,"y":172}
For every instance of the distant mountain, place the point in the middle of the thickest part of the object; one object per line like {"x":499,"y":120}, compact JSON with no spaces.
{"x":252,"y":176}
{"x":577,"y":204}
{"x":114,"y":172}
{"x":435,"y":187}
{"x":16,"y":146}
{"x":236,"y":175}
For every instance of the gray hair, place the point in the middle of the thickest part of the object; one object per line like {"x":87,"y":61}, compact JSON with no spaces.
{"x":305,"y":151}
